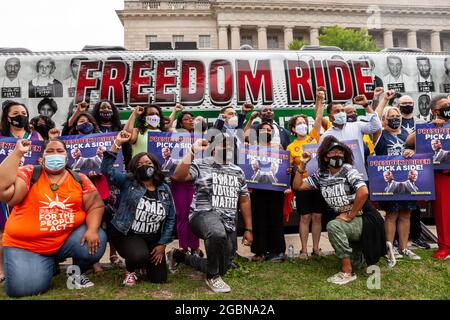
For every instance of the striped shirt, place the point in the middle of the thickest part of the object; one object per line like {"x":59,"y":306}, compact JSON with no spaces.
{"x":217,"y":188}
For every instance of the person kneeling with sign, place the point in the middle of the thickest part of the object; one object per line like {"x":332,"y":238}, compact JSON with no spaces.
{"x":57,"y":215}
{"x":357,"y":234}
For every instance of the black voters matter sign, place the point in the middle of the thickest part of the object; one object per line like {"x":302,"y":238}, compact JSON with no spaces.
{"x":225,"y":189}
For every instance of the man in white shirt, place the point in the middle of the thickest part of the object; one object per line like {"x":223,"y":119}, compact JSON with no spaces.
{"x":424,"y":78}
{"x":397,"y":80}
{"x":343,"y":130}
{"x":11,"y":85}
{"x":424,"y":102}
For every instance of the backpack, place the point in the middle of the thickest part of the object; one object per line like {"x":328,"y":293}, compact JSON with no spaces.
{"x":37,"y":169}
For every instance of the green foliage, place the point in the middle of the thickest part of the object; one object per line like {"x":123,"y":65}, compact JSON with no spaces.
{"x":297,"y":44}
{"x":347,"y":39}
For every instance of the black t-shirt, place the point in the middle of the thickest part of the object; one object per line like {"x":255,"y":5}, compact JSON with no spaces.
{"x":149,"y":216}
{"x":391,"y":144}
{"x":409,"y":124}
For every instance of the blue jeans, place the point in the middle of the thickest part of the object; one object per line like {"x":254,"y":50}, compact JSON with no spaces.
{"x":28,"y":273}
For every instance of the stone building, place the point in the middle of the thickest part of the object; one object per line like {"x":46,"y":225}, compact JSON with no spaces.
{"x":228,"y":24}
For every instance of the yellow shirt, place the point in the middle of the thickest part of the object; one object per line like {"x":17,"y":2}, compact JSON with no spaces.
{"x":296,"y":149}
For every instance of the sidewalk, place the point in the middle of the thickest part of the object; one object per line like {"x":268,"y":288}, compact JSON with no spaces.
{"x":244,"y":251}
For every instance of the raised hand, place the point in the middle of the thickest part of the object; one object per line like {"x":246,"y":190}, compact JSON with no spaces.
{"x":360,"y":100}
{"x":22,"y":147}
{"x":320,"y":94}
{"x":200,"y":145}
{"x":389,"y":95}
{"x":254,"y":115}
{"x":247,"y":107}
{"x":138,"y":110}
{"x":82,"y":106}
{"x":54,"y":134}
{"x":179,"y":107}
{"x":306,"y":157}
{"x":378,"y":91}
{"x":122,"y":137}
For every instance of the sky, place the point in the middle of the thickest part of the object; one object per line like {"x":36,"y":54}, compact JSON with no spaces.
{"x":59,"y":25}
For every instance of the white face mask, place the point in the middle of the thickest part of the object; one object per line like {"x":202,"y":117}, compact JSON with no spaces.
{"x":153,"y":120}
{"x":340,"y":118}
{"x":233,"y":122}
{"x":301,"y":129}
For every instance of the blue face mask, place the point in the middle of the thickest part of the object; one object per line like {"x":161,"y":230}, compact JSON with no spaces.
{"x":85,"y":128}
{"x":55,"y":162}
{"x":340,"y":118}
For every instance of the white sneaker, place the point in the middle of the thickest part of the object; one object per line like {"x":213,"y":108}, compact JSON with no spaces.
{"x":397,"y":254}
{"x":82,"y":283}
{"x":217,"y":285}
{"x":342,"y":278}
{"x":411,"y":255}
{"x":390,"y":255}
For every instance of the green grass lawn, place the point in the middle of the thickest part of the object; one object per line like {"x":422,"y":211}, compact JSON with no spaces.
{"x":294,"y":279}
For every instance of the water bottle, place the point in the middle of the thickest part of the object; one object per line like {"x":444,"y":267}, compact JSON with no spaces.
{"x":290,"y":251}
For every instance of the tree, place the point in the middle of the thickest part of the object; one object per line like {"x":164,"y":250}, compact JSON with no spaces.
{"x":347,"y":39}
{"x":297,"y":44}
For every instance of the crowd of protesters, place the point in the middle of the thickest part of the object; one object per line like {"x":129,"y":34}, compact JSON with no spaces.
{"x":138,"y":211}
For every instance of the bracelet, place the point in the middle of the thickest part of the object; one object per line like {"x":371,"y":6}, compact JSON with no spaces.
{"x":300,"y":171}
{"x":116,"y":145}
{"x":365,"y":105}
{"x":248,"y":229}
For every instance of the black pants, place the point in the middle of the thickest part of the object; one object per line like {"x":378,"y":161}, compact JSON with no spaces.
{"x":218,"y":244}
{"x":135,"y":249}
{"x":415,"y":229}
{"x":267,"y":220}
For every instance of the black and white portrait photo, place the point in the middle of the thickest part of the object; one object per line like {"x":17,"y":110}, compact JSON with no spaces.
{"x":44,"y":84}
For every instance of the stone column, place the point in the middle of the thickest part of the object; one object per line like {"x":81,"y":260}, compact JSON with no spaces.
{"x":313,"y":36}
{"x":262,"y":37}
{"x":288,"y":37}
{"x":435,"y":41}
{"x":388,"y":38}
{"x":235,"y":37}
{"x":223,"y":37}
{"x":412,"y":39}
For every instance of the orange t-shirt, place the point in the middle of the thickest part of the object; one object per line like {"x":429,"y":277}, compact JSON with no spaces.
{"x":45,"y":218}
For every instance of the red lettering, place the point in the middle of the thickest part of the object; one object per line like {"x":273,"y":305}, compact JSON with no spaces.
{"x":188,"y":97}
{"x":298,"y":82}
{"x":113,"y":81}
{"x":361,"y":81}
{"x":220,"y":96}
{"x":340,"y":80}
{"x":139,"y":81}
{"x":164,"y":81}
{"x":86,"y":81}
{"x":253,"y":82}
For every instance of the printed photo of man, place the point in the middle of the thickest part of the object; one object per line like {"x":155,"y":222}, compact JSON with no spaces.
{"x":424,"y":103}
{"x":47,"y":107}
{"x":410,"y":184}
{"x":12,"y":86}
{"x":425,"y":81}
{"x":44,"y":84}
{"x":86,"y":163}
{"x":445,"y":80}
{"x":396,"y":79}
{"x":440,"y":155}
{"x":70,"y":84}
{"x":256,"y":167}
{"x":392,"y":185}
{"x":169,"y":163}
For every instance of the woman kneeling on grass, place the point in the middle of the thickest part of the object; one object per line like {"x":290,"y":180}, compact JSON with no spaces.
{"x":358,"y":230}
{"x":145,"y":219}
{"x":57,"y":215}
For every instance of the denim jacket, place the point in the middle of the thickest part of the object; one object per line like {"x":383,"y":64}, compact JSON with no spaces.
{"x":131,"y":192}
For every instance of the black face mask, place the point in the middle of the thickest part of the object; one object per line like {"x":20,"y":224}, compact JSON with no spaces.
{"x":394,"y":123}
{"x":445,"y":112}
{"x":106,"y":115}
{"x":336,"y":161}
{"x":265,"y":137}
{"x":145,"y":173}
{"x":19,"y":121}
{"x":352,"y":118}
{"x":408,"y":109}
